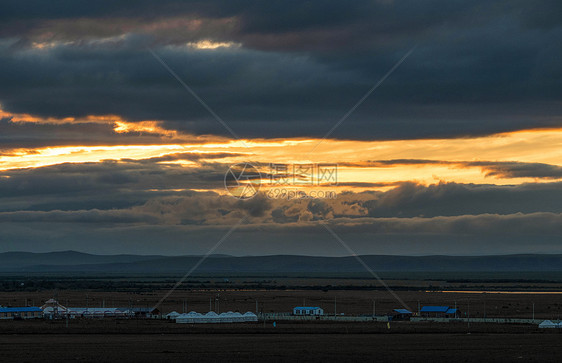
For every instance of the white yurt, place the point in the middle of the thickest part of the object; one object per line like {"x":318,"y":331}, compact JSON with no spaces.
{"x":547,"y":324}
{"x":237,"y":317}
{"x":173,"y":315}
{"x":210,"y":317}
{"x":181,"y":319}
{"x":249,"y":316}
{"x":190,"y":318}
{"x":225,"y":317}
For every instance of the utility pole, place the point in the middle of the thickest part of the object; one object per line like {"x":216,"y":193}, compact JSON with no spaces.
{"x":257,"y":307}
{"x":469,"y":316}
{"x":56,"y":307}
{"x":210,"y":306}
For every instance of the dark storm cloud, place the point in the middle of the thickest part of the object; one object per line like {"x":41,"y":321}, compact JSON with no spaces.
{"x":111,"y":207}
{"x":451,"y":199}
{"x":185,"y":156}
{"x":16,"y":135}
{"x":94,"y":216}
{"x":519,"y":170}
{"x":165,"y":192}
{"x":483,"y":234}
{"x":106,"y":185}
{"x":480,"y":67}
{"x":498,"y":169}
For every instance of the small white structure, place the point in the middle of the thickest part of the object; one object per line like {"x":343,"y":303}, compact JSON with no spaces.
{"x":249,"y":316}
{"x":308,"y":310}
{"x":52,"y":308}
{"x":237,"y":317}
{"x":173,"y":315}
{"x":212,"y":317}
{"x":547,"y":324}
{"x":225,"y":317}
{"x":190,"y":318}
{"x":97,"y":312}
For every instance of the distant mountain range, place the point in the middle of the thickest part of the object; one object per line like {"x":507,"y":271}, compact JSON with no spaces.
{"x":77,"y":262}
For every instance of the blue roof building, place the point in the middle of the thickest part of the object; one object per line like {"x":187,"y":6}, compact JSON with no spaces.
{"x":400,"y":314}
{"x":308,"y":310}
{"x":434,"y":309}
{"x":31,"y":312}
{"x":25,"y":309}
{"x":403,"y":311}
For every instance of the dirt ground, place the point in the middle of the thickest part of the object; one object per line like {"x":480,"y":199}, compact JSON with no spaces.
{"x":160,"y":340}
{"x":282,"y":347}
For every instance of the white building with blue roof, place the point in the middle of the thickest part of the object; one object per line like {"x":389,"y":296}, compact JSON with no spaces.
{"x":308,"y":310}
{"x":439,"y":311}
{"x":30,"y":312}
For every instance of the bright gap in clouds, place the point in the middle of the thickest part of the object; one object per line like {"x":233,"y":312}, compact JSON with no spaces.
{"x":209,"y":44}
{"x":424,"y":161}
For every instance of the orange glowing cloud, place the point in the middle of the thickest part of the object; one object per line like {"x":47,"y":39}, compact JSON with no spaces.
{"x":464,"y":160}
{"x":24,"y":117}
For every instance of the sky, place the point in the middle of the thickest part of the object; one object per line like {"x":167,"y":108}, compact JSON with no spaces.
{"x":440,"y":123}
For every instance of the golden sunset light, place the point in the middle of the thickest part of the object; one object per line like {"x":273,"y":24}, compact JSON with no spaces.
{"x":436,"y":160}
{"x":218,"y":180}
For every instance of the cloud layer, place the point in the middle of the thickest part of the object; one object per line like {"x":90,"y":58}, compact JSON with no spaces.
{"x":479,"y":67}
{"x":112,"y":203}
{"x":458,"y":151}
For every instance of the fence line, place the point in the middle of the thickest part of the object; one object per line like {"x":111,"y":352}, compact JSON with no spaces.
{"x":384,"y":318}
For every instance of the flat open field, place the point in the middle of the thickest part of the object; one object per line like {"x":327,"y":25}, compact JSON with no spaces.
{"x":282,"y":347}
{"x":321,"y":341}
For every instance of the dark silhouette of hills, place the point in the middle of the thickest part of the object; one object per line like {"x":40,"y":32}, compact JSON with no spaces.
{"x":78,"y":262}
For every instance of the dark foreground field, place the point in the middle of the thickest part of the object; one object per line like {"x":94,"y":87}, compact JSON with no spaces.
{"x":156,"y":340}
{"x":139,"y":340}
{"x":282,"y":347}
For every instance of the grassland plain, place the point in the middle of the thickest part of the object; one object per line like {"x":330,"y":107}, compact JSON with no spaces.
{"x":312,"y":344}
{"x":317,"y":341}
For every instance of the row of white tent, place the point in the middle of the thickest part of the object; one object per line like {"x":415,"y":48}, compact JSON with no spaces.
{"x":550,"y":324}
{"x":88,"y":312}
{"x":212,"y":317}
